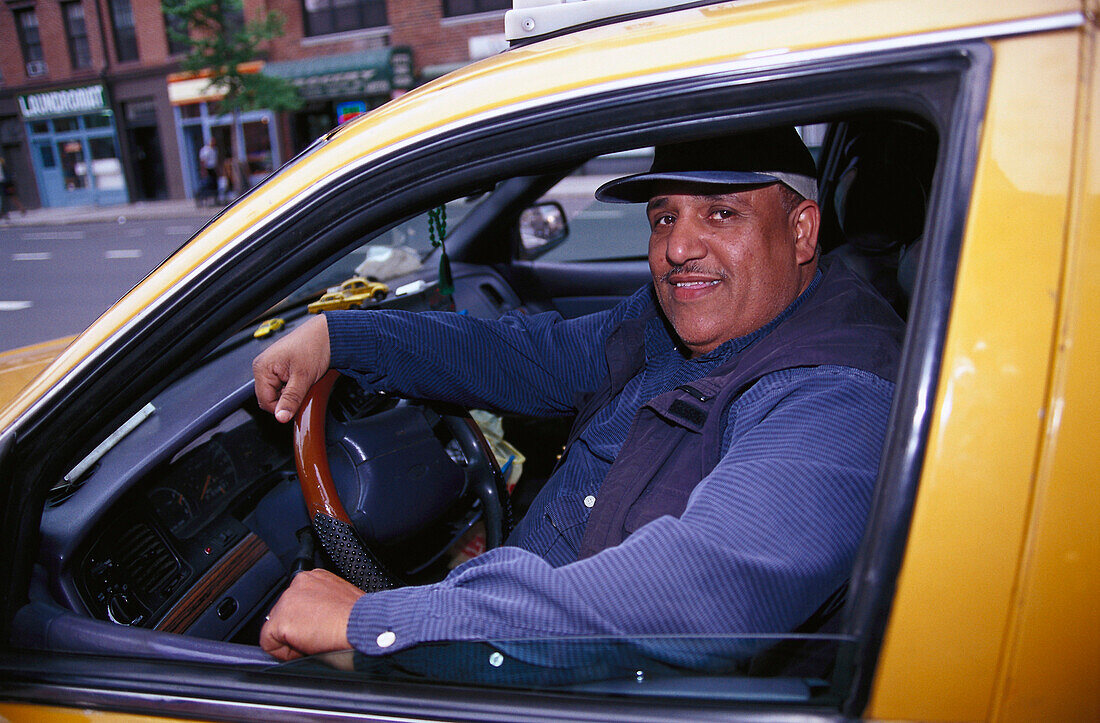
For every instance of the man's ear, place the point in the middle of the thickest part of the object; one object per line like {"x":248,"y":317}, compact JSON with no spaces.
{"x":806,"y":218}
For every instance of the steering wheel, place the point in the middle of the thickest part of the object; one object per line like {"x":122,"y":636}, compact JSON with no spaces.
{"x":335,"y":530}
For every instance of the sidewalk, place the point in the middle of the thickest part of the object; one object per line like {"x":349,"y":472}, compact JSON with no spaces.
{"x":181,"y":208}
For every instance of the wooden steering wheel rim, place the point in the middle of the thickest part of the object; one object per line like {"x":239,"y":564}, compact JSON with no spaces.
{"x":309,"y":452}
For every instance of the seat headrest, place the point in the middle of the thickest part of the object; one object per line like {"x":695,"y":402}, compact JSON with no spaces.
{"x":882,"y":196}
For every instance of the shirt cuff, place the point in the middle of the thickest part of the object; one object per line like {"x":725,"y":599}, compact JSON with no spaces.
{"x":385,"y":622}
{"x":352,"y":339}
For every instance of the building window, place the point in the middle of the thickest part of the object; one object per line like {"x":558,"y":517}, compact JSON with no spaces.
{"x":122,"y":22}
{"x":174,"y":27}
{"x":77,"y":33}
{"x":26,"y":23}
{"x":232,"y":17}
{"x":452,"y":8}
{"x":336,"y":16}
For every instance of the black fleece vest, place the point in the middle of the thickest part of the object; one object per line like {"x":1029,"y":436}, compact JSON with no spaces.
{"x":675,"y":439}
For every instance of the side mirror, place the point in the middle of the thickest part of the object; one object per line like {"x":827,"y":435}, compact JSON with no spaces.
{"x":541,"y":228}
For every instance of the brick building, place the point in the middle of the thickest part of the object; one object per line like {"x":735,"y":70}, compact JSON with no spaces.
{"x":94,"y":110}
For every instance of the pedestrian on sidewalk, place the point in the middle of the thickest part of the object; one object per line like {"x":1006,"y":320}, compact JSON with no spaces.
{"x":208,"y":162}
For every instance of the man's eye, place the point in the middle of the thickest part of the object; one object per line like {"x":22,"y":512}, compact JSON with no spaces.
{"x":723,"y":213}
{"x":664,"y":220}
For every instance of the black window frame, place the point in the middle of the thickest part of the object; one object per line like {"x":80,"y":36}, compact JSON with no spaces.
{"x":30,"y":35}
{"x":945,"y":85}
{"x":76,"y":35}
{"x":124,"y":30}
{"x":461,"y":8}
{"x":324,"y":20}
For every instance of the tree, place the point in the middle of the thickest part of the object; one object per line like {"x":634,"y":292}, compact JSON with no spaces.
{"x":223,"y":44}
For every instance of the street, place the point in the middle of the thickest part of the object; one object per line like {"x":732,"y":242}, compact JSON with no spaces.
{"x":56,"y":279}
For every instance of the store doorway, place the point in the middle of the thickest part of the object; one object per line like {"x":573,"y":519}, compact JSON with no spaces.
{"x":143,"y":138}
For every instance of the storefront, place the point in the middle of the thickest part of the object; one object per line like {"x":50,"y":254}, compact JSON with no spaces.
{"x":74,"y":146}
{"x":197,"y":121}
{"x":337,"y":88}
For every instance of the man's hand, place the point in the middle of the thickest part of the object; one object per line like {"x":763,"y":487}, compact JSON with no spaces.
{"x":286,"y":370}
{"x":311,"y":617}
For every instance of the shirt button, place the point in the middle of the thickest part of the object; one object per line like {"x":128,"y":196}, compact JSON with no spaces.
{"x":590,"y":501}
{"x":386,"y":639}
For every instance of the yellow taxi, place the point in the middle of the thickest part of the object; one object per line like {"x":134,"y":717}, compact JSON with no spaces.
{"x":269,"y":327}
{"x":352,"y":294}
{"x":151,"y":511}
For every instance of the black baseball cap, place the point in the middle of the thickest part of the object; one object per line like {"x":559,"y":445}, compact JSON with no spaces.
{"x":776,"y":155}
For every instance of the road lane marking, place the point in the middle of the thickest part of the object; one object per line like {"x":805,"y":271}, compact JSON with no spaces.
{"x":14,"y":305}
{"x":37,"y":256}
{"x":52,"y":236}
{"x":123,"y":254}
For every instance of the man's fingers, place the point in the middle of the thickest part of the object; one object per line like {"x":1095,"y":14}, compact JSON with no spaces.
{"x":268,"y":386}
{"x":292,"y":395}
{"x":286,"y":370}
{"x":274,"y":645}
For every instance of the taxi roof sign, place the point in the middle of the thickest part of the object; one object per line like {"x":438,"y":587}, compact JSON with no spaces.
{"x":530,"y":19}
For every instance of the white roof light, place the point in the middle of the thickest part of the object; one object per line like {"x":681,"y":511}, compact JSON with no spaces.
{"x":533,"y":18}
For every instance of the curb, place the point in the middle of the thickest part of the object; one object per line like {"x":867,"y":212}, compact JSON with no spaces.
{"x":117,"y":214}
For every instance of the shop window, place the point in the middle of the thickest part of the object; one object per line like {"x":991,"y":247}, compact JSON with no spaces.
{"x":97,"y":120}
{"x":336,"y":16}
{"x":451,"y":8}
{"x":257,"y":146}
{"x":40,"y":127}
{"x":45,"y":152}
{"x":106,"y":168}
{"x":191,"y":110}
{"x":73,"y":166}
{"x":80,"y":53}
{"x":122,"y":23}
{"x":26,"y":24}
{"x":65,"y":125}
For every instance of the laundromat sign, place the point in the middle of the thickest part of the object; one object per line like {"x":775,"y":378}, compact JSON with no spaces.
{"x":63,"y":102}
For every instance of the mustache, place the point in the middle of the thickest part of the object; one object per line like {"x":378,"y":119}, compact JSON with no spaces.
{"x":692,"y":267}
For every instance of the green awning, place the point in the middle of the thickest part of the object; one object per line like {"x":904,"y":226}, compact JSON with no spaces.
{"x":431,"y":72}
{"x":352,"y":75}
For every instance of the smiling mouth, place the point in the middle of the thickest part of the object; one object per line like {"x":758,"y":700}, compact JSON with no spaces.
{"x":695,"y":284}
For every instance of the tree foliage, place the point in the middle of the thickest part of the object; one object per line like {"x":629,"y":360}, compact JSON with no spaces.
{"x":222,"y":43}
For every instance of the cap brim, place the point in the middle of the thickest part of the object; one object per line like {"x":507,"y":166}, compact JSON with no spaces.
{"x":641,"y":187}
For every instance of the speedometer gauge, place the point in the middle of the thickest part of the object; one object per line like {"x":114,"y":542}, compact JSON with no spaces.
{"x":172,"y":507}
{"x":196,"y":487}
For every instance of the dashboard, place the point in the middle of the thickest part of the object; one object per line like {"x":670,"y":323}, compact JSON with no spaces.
{"x":175,"y":528}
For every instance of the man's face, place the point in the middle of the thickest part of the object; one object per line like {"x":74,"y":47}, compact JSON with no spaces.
{"x":724,"y":265}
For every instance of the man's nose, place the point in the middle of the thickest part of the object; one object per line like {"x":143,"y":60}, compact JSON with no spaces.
{"x":685,"y":243}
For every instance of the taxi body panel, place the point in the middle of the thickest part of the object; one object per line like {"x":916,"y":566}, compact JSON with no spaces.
{"x":980,"y":464}
{"x":20,"y":366}
{"x":993,"y":614}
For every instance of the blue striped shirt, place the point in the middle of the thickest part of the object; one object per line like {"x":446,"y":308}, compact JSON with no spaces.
{"x":766,"y":537}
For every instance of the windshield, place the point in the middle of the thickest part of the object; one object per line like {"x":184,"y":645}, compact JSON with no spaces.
{"x":395,"y":252}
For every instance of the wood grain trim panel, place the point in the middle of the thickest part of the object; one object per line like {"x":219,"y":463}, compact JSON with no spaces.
{"x":213,"y":584}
